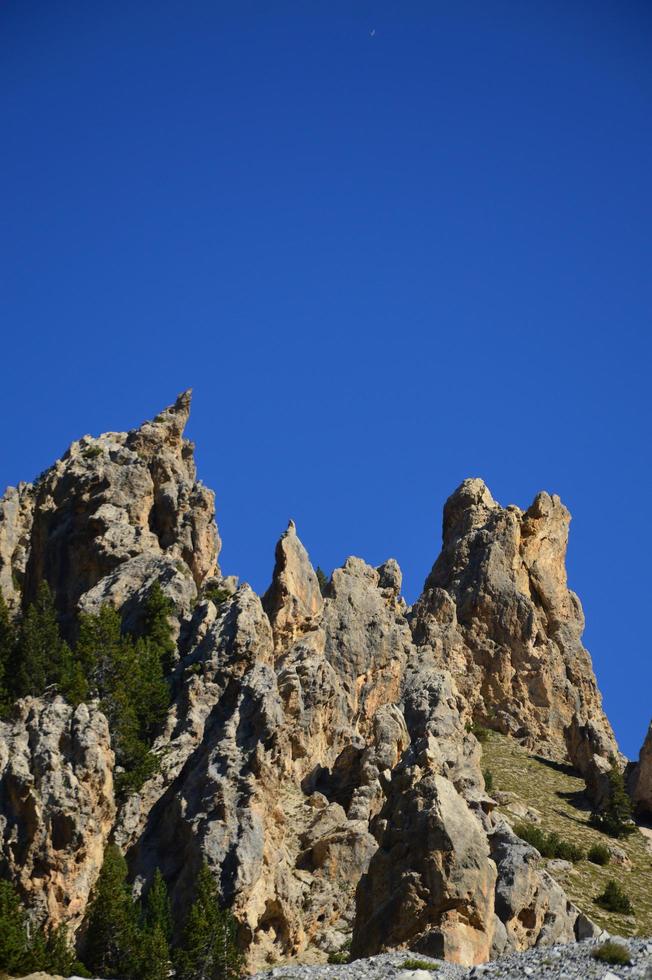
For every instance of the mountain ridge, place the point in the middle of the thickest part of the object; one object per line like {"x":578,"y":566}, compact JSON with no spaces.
{"x":319,"y":749}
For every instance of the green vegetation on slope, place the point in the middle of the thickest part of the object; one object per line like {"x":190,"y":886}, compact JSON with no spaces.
{"x":127,"y":674}
{"x":24,"y":949}
{"x":123,"y":938}
{"x":557,"y":792}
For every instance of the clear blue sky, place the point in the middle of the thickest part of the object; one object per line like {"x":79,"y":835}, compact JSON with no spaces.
{"x":389,"y":244}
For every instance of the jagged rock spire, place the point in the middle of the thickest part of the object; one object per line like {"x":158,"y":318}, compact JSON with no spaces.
{"x":293,"y":601}
{"x":497,"y":612}
{"x":111,"y":515}
{"x":165,"y":428}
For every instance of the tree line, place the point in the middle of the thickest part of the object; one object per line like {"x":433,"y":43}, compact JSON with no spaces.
{"x":123,"y":939}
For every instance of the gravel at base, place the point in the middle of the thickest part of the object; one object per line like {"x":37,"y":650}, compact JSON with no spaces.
{"x":569,"y":962}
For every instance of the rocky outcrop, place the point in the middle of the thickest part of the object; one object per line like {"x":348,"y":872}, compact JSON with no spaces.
{"x":497,"y":612}
{"x":319,"y":751}
{"x":56,"y":804}
{"x":431,"y":881}
{"x":16,"y":516}
{"x":293,"y":602}
{"x":449,"y":879}
{"x":111,"y":515}
{"x":531,"y":908}
{"x":367,"y":639}
{"x":641,"y":778}
{"x":272,"y":781}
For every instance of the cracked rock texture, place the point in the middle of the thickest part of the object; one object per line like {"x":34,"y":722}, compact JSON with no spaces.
{"x":56,"y":804}
{"x":319,"y":751}
{"x":111,"y":515}
{"x":641,"y":779}
{"x":496,"y":610}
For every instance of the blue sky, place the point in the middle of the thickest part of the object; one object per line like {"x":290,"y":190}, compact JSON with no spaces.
{"x":389,"y":244}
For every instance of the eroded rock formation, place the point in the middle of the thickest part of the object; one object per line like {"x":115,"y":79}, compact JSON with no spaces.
{"x":318,"y":753}
{"x":57,"y":807}
{"x":111,"y":515}
{"x":497,"y":612}
{"x":641,"y":778}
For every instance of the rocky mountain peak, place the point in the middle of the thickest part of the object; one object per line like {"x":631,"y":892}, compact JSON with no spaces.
{"x":165,"y":429}
{"x":467,"y":507}
{"x":113,"y":514}
{"x":293,"y":601}
{"x":497,"y":611}
{"x":317,"y":752}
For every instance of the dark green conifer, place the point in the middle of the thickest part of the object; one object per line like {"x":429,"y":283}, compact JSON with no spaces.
{"x":155,"y":961}
{"x":59,"y":955}
{"x":322,"y":578}
{"x":111,"y":939}
{"x":16,"y":953}
{"x":157,"y":912}
{"x":208,"y":948}
{"x":128,"y":678}
{"x":73,"y":683}
{"x":615,"y":818}
{"x":7,"y":645}
{"x":149,"y":691}
{"x":98,"y":647}
{"x":156,"y":932}
{"x":158,"y":609}
{"x":39,"y":647}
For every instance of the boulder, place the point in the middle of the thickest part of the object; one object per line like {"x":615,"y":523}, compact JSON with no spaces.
{"x":430,"y":884}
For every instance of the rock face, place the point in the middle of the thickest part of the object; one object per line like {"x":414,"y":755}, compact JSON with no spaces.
{"x":293,"y":601}
{"x":641,"y":780}
{"x":56,"y":804}
{"x":531,"y":908}
{"x":430,"y":883}
{"x":262,"y":786}
{"x":318,"y":753}
{"x":113,"y":514}
{"x":497,"y":611}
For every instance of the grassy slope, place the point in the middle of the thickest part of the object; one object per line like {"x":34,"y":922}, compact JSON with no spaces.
{"x":557,"y":793}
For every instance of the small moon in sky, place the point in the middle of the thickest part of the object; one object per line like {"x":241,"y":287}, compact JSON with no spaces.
{"x":372,"y":32}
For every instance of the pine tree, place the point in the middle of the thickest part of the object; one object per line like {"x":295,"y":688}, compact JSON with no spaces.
{"x":135,"y":701}
{"x":16,"y":954}
{"x":154,"y":955}
{"x":158,"y":609}
{"x":149,"y":690}
{"x":59,"y":955}
{"x":615,"y":818}
{"x":73,"y":683}
{"x":156,"y":932}
{"x":157,"y":911}
{"x":98,"y":647}
{"x":39,"y":647}
{"x":7,"y":645}
{"x":322,"y":578}
{"x":111,"y":939}
{"x":128,"y":678}
{"x":208,"y":949}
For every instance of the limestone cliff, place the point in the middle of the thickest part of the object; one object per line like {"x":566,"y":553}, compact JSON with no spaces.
{"x":57,"y":807}
{"x":641,"y":778}
{"x":114,"y":513}
{"x":497,"y":612}
{"x":318,"y":752}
